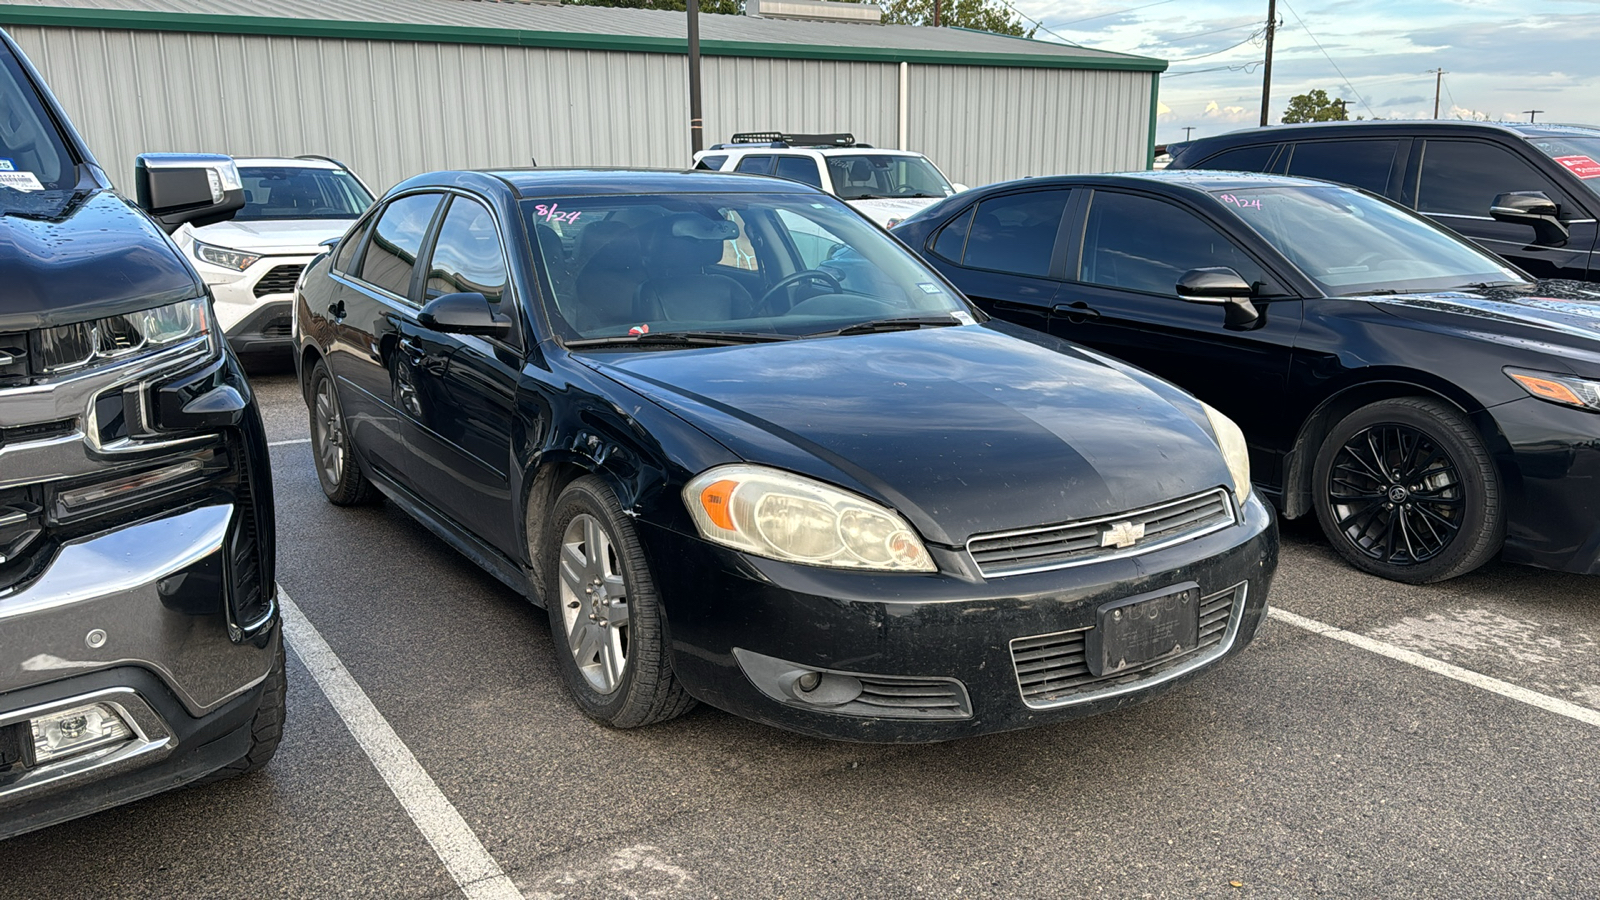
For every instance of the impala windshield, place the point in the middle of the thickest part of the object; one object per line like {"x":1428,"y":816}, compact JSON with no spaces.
{"x":1350,"y":243}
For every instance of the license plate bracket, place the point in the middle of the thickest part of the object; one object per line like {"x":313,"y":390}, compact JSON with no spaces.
{"x":1142,"y":629}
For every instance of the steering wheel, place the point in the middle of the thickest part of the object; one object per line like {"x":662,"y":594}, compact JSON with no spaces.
{"x":764,"y":304}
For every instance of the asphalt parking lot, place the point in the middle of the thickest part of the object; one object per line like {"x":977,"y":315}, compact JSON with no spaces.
{"x":1440,"y":743}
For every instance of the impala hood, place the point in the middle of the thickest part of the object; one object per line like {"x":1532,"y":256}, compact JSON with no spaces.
{"x":964,"y":430}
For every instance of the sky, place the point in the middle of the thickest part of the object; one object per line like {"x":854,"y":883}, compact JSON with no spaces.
{"x":1501,"y":57}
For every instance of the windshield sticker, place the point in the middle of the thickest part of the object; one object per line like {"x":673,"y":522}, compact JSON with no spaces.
{"x":7,"y":166}
{"x":928,"y":288}
{"x":552,"y":213}
{"x":20,"y":181}
{"x":1581,"y":166}
{"x":1241,"y":202}
{"x":964,"y":317}
{"x":639,"y":329}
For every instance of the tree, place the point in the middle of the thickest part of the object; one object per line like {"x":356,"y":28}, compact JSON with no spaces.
{"x":1314,"y":106}
{"x":983,"y":15}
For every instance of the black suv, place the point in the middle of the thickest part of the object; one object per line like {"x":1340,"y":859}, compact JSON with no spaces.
{"x":139,"y":639}
{"x":1527,"y":192}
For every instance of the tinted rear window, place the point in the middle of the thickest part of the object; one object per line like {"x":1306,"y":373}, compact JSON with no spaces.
{"x":1016,"y":233}
{"x":1362,"y":164}
{"x":1241,"y":159}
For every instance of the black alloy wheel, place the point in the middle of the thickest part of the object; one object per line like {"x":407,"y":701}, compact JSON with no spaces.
{"x":1405,"y":489}
{"x":338,"y":471}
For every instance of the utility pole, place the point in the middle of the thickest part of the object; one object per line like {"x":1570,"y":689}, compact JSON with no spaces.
{"x":697,"y":140}
{"x":1187,"y":130}
{"x":1438,"y":81}
{"x":936,"y":13}
{"x":1532,"y":112}
{"x":1266,"y":73}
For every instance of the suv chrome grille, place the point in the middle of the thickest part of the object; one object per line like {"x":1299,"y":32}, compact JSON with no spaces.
{"x":1090,"y":540}
{"x":279,"y":280}
{"x":1053,"y":669}
{"x":13,"y":360}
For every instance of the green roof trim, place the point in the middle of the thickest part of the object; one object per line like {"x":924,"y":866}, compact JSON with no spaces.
{"x":61,"y":17}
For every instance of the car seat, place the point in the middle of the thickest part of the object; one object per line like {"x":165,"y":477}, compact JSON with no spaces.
{"x":609,"y":273}
{"x":677,"y":250}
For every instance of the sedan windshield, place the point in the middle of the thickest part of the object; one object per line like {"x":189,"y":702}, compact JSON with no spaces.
{"x":697,"y":267}
{"x":1350,"y":243}
{"x":1578,"y":155}
{"x":283,"y":192}
{"x":879,"y":175}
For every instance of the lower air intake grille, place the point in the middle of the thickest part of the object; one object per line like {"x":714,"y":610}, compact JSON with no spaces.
{"x":1124,"y":534}
{"x":280,"y":280}
{"x":281,"y":327}
{"x":1053,"y":669}
{"x":911,"y":698}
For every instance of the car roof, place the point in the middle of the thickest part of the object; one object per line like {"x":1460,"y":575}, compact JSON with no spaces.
{"x":1198,"y":180}
{"x":1273,"y":133}
{"x":546,"y":182}
{"x":284,"y":162}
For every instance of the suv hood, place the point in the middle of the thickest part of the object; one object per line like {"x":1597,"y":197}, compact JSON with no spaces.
{"x":274,"y":236}
{"x":964,"y":430}
{"x":881,"y":211}
{"x":95,"y":255}
{"x":1569,"y":307}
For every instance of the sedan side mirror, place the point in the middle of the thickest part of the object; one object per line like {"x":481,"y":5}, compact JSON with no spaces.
{"x":1220,"y":285}
{"x":198,"y":188}
{"x":1535,"y":209}
{"x":463,"y":314}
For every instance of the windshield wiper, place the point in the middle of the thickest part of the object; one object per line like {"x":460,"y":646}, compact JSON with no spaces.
{"x":1491,"y":285}
{"x":683,"y":338}
{"x":877,"y":325}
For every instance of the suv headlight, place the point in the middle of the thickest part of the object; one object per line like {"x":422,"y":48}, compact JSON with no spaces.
{"x":84,"y":345}
{"x":789,"y":517}
{"x":237,"y":260}
{"x":1567,"y":390}
{"x":1234,"y":451}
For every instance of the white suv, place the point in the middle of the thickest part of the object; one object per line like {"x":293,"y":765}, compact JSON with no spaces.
{"x":292,"y":207}
{"x":884,"y":185}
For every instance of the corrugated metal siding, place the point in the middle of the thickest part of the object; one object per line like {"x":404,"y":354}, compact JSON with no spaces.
{"x":987,"y":124}
{"x":800,"y":96}
{"x":392,"y":109}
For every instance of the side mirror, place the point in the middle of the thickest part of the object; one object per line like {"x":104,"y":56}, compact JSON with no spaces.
{"x":198,"y":188}
{"x":1222,"y":286}
{"x":1535,"y":209}
{"x":463,"y":314}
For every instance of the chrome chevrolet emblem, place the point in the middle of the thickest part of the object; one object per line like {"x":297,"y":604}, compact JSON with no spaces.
{"x":1122,"y":534}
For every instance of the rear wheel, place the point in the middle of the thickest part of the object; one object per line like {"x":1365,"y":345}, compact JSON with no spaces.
{"x":1405,"y":489}
{"x":604,"y":614}
{"x":337,"y":469}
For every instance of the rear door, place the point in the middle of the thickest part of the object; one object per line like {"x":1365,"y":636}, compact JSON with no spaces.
{"x":1457,"y":181}
{"x":1006,"y":253}
{"x":368,"y":310}
{"x":460,"y":423}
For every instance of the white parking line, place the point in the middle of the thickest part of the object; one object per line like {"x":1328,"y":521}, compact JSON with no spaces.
{"x":1466,"y":676}
{"x":288,"y":442}
{"x":479,"y":876}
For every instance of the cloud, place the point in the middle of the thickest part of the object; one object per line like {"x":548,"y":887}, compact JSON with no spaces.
{"x":1406,"y":101}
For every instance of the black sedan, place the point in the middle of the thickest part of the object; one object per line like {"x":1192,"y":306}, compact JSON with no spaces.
{"x":747,"y":450}
{"x":1434,"y":406}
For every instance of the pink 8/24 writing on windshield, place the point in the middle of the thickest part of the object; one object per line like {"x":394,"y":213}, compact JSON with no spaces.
{"x":552,"y":213}
{"x":1241,"y":202}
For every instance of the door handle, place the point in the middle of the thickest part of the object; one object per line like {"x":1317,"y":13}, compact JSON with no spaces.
{"x":1077,"y":311}
{"x":336,"y":309}
{"x":411,"y":350}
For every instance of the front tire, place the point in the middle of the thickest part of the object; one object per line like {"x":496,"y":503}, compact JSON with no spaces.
{"x":266,"y":728}
{"x":338,"y":471}
{"x":1405,"y":489}
{"x":605,"y":617}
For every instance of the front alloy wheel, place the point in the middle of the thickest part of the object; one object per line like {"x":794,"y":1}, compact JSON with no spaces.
{"x":594,"y":603}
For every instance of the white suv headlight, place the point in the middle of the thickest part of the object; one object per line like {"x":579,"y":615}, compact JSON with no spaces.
{"x":792,"y":518}
{"x":237,"y":260}
{"x":1234,"y":451}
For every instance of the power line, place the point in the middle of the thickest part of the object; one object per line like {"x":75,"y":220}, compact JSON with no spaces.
{"x":1247,"y":40}
{"x":1110,"y":14}
{"x":1202,"y":34}
{"x":1248,"y":67}
{"x":1040,"y":25}
{"x":1452,"y":96}
{"x":1330,"y":60}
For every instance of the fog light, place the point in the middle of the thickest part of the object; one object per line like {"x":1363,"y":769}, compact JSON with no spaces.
{"x":808,"y":681}
{"x":826,"y":688}
{"x":76,"y":730}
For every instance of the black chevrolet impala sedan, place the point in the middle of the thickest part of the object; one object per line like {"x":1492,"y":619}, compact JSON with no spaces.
{"x":1431,"y":404}
{"x":747,"y":450}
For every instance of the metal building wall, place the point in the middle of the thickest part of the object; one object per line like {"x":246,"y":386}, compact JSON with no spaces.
{"x":391,"y":109}
{"x":984,"y":124}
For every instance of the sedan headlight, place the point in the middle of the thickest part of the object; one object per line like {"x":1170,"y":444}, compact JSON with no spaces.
{"x":237,"y":260}
{"x":1567,"y":390}
{"x":792,"y":518}
{"x":83,"y":345}
{"x":1234,"y":451}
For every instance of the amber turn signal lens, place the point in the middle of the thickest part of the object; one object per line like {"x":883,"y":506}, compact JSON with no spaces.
{"x":1548,"y":389}
{"x":717,"y":499}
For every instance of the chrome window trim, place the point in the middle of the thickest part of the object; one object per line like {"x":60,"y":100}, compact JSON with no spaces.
{"x":1136,"y":550}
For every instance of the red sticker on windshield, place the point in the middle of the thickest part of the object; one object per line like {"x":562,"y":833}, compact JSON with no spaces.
{"x":1581,"y":166}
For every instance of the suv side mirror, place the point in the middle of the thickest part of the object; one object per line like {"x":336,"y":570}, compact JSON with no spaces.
{"x":1223,"y":286}
{"x":463,"y":314}
{"x":1535,"y":209}
{"x":199,"y":188}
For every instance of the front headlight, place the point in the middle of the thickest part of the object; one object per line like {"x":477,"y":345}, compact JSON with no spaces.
{"x":237,"y":260}
{"x":792,"y":518}
{"x":1234,"y":451}
{"x":83,"y":345}
{"x":1567,"y":390}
